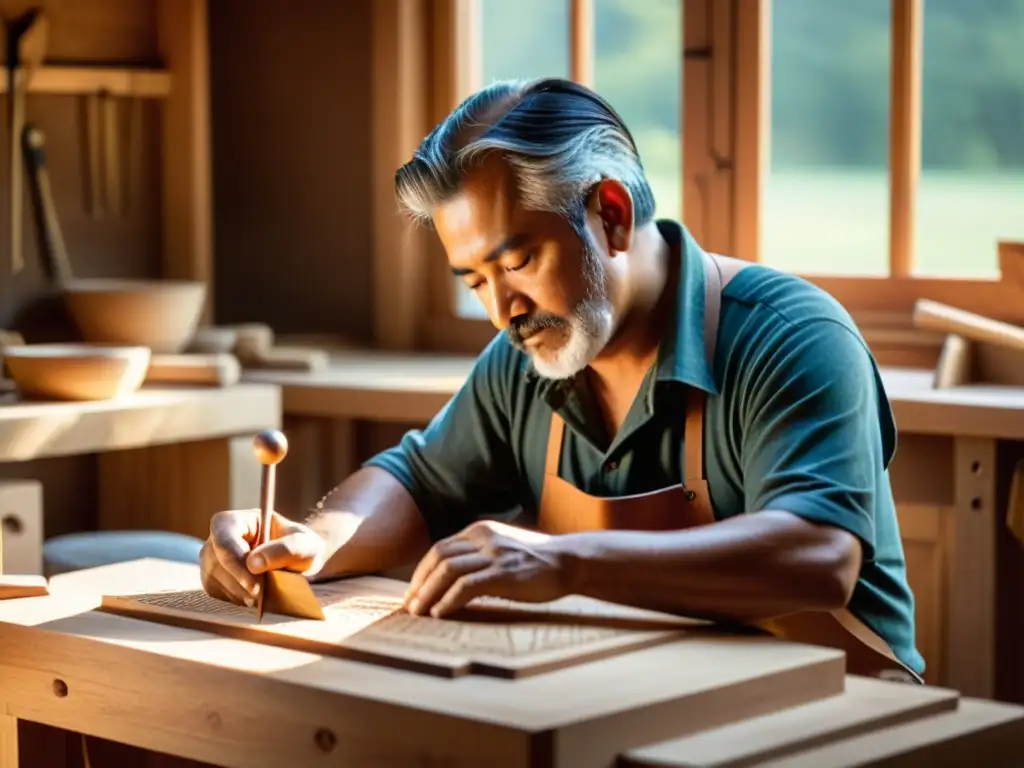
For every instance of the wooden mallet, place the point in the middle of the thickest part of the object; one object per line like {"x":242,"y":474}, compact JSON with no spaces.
{"x":282,"y":592}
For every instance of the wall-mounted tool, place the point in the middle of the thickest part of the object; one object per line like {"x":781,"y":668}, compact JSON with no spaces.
{"x":107,"y":177}
{"x":92,"y":152}
{"x":52,"y":248}
{"x":26,"y":38}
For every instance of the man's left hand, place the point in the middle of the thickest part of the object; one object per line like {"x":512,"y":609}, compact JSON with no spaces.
{"x":486,"y":558}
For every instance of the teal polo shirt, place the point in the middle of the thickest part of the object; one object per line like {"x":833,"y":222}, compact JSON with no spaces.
{"x":797,"y":419}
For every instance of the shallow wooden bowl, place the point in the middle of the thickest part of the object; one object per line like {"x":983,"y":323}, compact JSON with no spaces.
{"x":159,"y":314}
{"x":76,"y":371}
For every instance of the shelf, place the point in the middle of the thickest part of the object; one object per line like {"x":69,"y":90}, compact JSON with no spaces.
{"x":117,"y":81}
{"x":152,"y":416}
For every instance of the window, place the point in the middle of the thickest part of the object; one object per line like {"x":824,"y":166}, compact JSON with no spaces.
{"x":971,"y":190}
{"x":827,"y":196}
{"x":636,"y":66}
{"x":872,"y":147}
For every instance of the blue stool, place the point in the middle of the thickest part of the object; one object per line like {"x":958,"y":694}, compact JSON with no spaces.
{"x":90,"y":549}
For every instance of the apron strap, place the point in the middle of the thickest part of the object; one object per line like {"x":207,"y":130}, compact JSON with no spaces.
{"x":554,"y":445}
{"x":718,"y":271}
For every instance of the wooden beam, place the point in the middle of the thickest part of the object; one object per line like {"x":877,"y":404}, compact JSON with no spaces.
{"x":904,"y":132}
{"x":400,"y":110}
{"x":709,"y":107}
{"x":998,"y":299}
{"x":455,"y":53}
{"x":581,"y":42}
{"x":752,"y":109}
{"x":456,"y":64}
{"x":116,"y":81}
{"x":187,"y":169}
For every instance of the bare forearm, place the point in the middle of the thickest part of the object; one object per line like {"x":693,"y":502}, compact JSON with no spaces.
{"x":746,"y":568}
{"x":370,"y":523}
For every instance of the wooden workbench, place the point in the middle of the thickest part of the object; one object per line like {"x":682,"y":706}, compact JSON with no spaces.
{"x":72,"y":676}
{"x":957,"y":449}
{"x":168,"y":459}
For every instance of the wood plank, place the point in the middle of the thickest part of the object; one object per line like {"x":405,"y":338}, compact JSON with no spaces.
{"x":971,"y":621}
{"x":117,"y":81}
{"x":37,"y":430}
{"x":392,"y":387}
{"x":866,"y":706}
{"x":8,"y":741}
{"x":379,"y":386}
{"x":976,"y":733}
{"x":264,"y":706}
{"x":365,"y":621}
{"x":1001,"y":299}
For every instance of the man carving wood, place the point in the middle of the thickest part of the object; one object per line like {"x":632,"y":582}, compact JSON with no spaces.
{"x":683,"y":432}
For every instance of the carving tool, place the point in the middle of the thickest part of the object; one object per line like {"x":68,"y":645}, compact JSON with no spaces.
{"x":270,"y":447}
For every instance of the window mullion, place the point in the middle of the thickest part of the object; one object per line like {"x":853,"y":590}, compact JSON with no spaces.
{"x":904,"y":132}
{"x":581,"y":41}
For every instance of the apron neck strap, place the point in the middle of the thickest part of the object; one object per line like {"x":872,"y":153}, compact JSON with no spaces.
{"x":693,"y":466}
{"x":693,"y":459}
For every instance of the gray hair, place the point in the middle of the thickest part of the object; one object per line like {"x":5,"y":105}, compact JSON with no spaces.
{"x":559,"y":138}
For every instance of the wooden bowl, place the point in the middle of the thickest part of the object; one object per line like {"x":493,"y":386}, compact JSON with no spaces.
{"x":76,"y":371}
{"x":159,"y":314}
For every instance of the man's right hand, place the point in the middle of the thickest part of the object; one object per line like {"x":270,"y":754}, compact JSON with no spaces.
{"x":230,"y":560}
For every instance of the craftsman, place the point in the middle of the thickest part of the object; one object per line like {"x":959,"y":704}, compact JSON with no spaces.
{"x":680,"y":432}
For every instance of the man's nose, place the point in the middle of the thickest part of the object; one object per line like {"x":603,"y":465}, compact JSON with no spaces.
{"x":506,"y":303}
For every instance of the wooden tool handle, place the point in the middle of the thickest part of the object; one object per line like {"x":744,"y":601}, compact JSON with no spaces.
{"x":217,"y":370}
{"x":270,"y":447}
{"x":932,"y":316}
{"x":111,"y":153}
{"x":16,"y":192}
{"x":52,"y":246}
{"x":93,"y":154}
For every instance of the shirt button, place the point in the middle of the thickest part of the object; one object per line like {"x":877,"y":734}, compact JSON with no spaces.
{"x":611,"y":466}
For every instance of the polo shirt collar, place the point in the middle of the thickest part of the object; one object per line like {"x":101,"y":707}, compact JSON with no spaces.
{"x":682,"y":356}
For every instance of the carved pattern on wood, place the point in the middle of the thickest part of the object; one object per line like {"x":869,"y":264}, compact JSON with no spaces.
{"x":365,"y":620}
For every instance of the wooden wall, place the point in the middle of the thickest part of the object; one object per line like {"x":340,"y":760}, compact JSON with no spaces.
{"x":291,"y":100}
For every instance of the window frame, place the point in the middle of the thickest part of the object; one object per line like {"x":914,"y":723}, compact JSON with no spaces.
{"x":726,"y":107}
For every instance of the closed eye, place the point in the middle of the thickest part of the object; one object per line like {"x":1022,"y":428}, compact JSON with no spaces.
{"x":527,"y":259}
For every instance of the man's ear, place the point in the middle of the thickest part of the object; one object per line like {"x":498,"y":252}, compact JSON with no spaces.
{"x":613,"y":206}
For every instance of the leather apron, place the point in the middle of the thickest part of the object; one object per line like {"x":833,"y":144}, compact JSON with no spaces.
{"x":566,"y":509}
